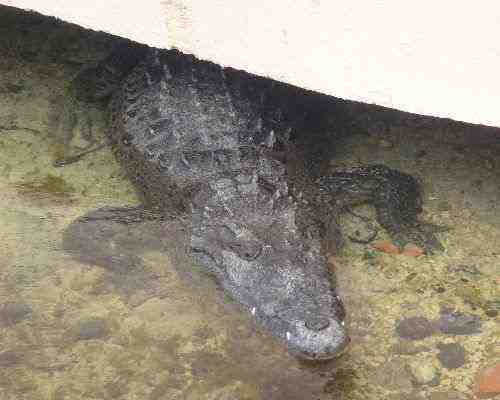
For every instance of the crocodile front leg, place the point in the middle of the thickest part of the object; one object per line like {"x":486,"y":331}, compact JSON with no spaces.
{"x":396,"y":196}
{"x":86,"y":99}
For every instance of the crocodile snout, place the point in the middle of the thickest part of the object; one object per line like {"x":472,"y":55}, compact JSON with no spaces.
{"x":317,"y":323}
{"x":318,"y":338}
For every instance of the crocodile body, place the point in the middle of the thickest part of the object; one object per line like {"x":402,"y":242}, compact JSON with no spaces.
{"x":244,"y":156}
{"x":200,"y":139}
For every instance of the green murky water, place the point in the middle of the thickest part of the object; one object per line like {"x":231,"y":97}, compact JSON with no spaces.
{"x":162,"y":330}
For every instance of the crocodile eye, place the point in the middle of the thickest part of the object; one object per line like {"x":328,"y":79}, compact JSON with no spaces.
{"x":131,"y":113}
{"x":249,"y":252}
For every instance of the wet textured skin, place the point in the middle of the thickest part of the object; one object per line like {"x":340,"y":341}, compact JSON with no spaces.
{"x":89,"y":92}
{"x":202,"y":140}
{"x":396,"y":196}
{"x":244,"y":156}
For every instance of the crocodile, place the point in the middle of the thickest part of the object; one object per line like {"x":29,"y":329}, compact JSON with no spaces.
{"x":246,"y":158}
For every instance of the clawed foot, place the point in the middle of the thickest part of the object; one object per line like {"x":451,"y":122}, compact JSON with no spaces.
{"x":421,"y":234}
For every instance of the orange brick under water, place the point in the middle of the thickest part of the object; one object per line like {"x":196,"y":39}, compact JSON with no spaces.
{"x":488,"y":382}
{"x":386,"y":247}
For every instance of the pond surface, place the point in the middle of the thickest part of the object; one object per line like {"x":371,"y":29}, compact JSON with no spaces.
{"x":134,"y":319}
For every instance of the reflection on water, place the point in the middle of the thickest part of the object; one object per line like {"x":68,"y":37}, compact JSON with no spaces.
{"x":113,"y":311}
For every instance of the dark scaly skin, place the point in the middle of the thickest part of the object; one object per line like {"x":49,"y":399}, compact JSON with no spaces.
{"x":199,"y":139}
{"x":396,"y":196}
{"x":89,"y":92}
{"x":240,"y":154}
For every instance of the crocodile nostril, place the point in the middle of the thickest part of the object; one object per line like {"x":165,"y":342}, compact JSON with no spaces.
{"x":317,"y":323}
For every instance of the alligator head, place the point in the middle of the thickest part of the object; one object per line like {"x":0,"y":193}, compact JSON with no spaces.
{"x":246,"y":236}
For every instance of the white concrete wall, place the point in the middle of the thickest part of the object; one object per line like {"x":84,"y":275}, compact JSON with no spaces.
{"x":429,"y":57}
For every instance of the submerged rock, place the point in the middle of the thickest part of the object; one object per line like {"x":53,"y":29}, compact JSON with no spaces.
{"x":92,"y":329}
{"x":415,"y":328}
{"x":424,"y":372}
{"x":451,"y":355}
{"x":9,"y":359}
{"x":12,"y":313}
{"x":454,"y":322}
